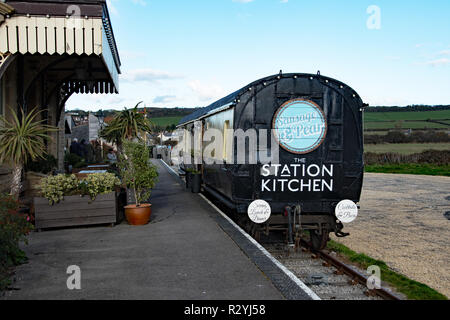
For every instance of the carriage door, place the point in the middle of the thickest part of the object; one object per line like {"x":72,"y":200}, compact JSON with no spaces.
{"x":198,"y":144}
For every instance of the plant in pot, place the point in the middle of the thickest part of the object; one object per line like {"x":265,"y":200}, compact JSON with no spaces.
{"x":127,"y":124}
{"x":196,"y":181}
{"x":22,"y":139}
{"x":67,"y":201}
{"x":189,"y":177}
{"x":139,"y":175}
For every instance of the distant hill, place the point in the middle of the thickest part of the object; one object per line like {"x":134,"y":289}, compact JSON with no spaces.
{"x":152,"y":112}
{"x":169,"y":112}
{"x":406,"y":108}
{"x":162,"y":118}
{"x":383,"y":117}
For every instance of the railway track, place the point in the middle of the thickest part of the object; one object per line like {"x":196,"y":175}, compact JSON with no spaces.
{"x":324,"y":273}
{"x":327,"y":276}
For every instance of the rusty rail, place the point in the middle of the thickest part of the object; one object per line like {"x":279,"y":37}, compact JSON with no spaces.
{"x":352,"y":273}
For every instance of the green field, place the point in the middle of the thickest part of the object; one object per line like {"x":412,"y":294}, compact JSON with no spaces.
{"x":404,"y":125}
{"x":166,"y":121}
{"x":405,"y":148}
{"x":390,"y":120}
{"x":409,"y":115}
{"x":410,"y":168}
{"x":373,"y":120}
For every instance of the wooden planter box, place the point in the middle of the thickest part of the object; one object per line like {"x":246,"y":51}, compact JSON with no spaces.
{"x":76,"y":211}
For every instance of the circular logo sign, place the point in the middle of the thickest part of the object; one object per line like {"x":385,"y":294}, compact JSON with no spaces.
{"x":299,"y":126}
{"x":259,"y":211}
{"x":346,"y":211}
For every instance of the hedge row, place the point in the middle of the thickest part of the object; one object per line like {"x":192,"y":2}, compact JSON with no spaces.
{"x":414,"y":137}
{"x":428,"y":156}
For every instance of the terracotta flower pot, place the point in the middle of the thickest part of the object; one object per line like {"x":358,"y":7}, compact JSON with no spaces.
{"x":138,"y":216}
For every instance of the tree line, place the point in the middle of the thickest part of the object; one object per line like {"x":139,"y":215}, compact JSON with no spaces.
{"x":407,"y":108}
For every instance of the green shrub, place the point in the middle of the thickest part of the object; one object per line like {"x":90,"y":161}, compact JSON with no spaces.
{"x":54,"y":188}
{"x":44,"y":166}
{"x":13,"y":229}
{"x":98,"y":183}
{"x":438,"y":157}
{"x":395,"y":136}
{"x":136,"y":170}
{"x":74,"y":160}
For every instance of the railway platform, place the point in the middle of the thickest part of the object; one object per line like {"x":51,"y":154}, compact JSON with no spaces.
{"x":189,"y":250}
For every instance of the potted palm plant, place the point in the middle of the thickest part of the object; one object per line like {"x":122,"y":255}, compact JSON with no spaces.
{"x":22,"y":139}
{"x":188,"y":177}
{"x":139,"y":175}
{"x":196,"y":181}
{"x":127,"y":124}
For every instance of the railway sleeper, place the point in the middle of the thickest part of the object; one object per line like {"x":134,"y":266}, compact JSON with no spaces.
{"x":294,"y":224}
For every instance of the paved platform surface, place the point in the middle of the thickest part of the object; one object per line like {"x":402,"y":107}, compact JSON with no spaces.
{"x":404,"y":221}
{"x":182,"y":254}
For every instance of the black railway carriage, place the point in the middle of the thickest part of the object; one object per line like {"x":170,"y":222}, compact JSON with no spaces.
{"x":317,"y":122}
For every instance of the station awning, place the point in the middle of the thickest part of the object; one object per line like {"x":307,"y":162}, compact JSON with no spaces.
{"x":64,"y":28}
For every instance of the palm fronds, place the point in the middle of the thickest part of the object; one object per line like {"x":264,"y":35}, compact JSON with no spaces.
{"x":126,"y":125}
{"x":21,"y":139}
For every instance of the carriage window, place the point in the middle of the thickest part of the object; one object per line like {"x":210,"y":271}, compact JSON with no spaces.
{"x":226,"y":127}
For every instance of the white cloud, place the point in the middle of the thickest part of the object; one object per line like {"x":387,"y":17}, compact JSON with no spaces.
{"x":439,"y":62}
{"x":164,"y":99}
{"x":387,"y":101}
{"x":94,"y":102}
{"x":243,"y":1}
{"x":419,"y":45}
{"x":284,"y":1}
{"x":206,"y":91}
{"x":128,"y":54}
{"x":111,"y":7}
{"x":444,"y":53}
{"x":114,"y":99}
{"x":147,"y":75}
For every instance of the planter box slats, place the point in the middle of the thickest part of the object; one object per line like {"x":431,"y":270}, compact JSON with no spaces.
{"x":79,"y":221}
{"x":80,"y":204}
{"x":91,"y":212}
{"x":78,"y":199}
{"x":76,"y":210}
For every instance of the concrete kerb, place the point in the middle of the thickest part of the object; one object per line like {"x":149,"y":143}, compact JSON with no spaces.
{"x":284,"y":280}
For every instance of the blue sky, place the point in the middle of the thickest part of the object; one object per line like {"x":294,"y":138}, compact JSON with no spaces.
{"x":189,"y":53}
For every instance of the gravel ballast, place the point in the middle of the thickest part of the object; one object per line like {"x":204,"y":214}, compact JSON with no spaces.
{"x":402,"y":221}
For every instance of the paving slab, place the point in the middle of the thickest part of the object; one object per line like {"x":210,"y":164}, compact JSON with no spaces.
{"x":182,"y":253}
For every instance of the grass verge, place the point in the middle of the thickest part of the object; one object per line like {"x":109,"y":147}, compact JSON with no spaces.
{"x":412,"y":289}
{"x":411,"y":168}
{"x":406,"y":148}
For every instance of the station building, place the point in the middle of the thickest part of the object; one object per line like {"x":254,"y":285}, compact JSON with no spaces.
{"x":49,"y":50}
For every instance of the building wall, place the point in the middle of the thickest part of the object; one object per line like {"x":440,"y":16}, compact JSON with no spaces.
{"x":32,"y":66}
{"x":8,"y":100}
{"x":94,"y":127}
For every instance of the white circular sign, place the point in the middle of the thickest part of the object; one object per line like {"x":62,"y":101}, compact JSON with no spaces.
{"x":346,"y":211}
{"x":259,"y":211}
{"x":299,"y":126}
